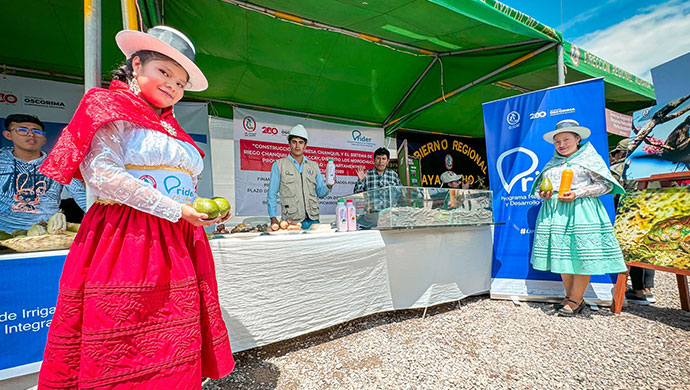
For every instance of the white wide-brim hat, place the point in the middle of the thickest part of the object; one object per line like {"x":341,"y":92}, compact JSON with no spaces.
{"x":449,"y":177}
{"x":567,"y":126}
{"x":168,"y":41}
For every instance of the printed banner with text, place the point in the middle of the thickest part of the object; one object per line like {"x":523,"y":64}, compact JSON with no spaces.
{"x":439,"y":153}
{"x":27,"y":303}
{"x":261,"y":139}
{"x":516,"y":151}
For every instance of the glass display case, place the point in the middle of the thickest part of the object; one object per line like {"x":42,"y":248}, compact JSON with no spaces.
{"x":397,"y":207}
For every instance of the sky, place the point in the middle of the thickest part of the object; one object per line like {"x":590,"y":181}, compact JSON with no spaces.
{"x":635,"y":35}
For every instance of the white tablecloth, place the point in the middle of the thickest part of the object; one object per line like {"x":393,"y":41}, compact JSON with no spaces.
{"x":427,"y":267}
{"x":274,"y":288}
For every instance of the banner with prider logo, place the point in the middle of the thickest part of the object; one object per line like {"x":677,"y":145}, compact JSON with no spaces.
{"x":516,"y":152}
{"x":261,"y":139}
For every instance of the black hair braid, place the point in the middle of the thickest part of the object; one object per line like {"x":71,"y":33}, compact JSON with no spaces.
{"x":126,"y":71}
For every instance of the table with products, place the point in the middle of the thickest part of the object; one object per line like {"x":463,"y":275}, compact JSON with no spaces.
{"x":274,"y":287}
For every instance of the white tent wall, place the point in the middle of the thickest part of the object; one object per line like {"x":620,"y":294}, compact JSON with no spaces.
{"x":222,"y":157}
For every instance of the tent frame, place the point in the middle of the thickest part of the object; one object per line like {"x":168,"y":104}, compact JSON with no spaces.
{"x":452,"y":53}
{"x":92,"y":50}
{"x":327,"y":27}
{"x":388,"y":125}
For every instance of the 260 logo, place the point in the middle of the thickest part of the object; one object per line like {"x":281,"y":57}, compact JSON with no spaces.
{"x":268,"y":130}
{"x":8,"y":98}
{"x":537,"y":115}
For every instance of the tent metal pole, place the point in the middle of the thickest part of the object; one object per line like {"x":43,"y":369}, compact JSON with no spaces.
{"x":561,"y":65}
{"x":92,"y":44}
{"x":129,"y":14}
{"x":92,"y":58}
{"x":506,"y":85}
{"x":475,"y":82}
{"x":42,"y":72}
{"x":326,"y":27}
{"x":412,"y":88}
{"x":478,"y":49}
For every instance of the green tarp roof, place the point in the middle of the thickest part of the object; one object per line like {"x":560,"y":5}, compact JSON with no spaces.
{"x":294,"y":60}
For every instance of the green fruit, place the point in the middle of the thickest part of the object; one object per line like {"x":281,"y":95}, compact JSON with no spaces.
{"x":206,"y":206}
{"x":19,"y":232}
{"x":57,"y":223}
{"x":546,"y":185}
{"x":72,"y":227}
{"x":36,"y":230}
{"x":223,"y":205}
{"x":4,"y":235}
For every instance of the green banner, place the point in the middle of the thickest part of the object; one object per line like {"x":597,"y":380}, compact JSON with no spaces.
{"x":523,"y":18}
{"x":586,"y":62}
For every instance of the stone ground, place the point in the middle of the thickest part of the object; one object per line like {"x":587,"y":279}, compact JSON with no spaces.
{"x":483,"y":344}
{"x":478,"y":344}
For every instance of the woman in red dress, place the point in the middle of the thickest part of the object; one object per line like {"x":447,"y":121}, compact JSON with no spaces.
{"x":138,"y":302}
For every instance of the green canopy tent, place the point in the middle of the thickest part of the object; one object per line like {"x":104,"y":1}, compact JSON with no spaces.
{"x":420,"y":64}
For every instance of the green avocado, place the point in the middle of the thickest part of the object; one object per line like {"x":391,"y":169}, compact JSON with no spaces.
{"x":223,"y":205}
{"x":546,"y":185}
{"x":206,"y":206}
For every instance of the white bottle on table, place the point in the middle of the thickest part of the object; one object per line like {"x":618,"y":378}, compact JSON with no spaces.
{"x":330,"y":172}
{"x":351,"y":216}
{"x":341,"y":216}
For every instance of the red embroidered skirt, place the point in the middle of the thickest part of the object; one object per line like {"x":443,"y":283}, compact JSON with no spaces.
{"x":137,"y":308}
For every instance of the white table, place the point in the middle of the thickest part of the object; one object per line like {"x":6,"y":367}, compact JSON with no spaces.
{"x":274,"y":288}
{"x":437,"y":265}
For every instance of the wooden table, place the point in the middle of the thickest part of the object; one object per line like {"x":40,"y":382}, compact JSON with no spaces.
{"x":681,"y":277}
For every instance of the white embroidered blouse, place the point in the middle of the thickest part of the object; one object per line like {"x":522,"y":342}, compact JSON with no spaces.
{"x":119,"y":143}
{"x":585,"y":182}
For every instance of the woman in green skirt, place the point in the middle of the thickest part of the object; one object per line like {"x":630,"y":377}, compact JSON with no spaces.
{"x":573,"y":235}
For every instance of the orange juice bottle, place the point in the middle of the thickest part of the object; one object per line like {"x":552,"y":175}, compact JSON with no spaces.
{"x":566,"y":180}
{"x":452,"y":200}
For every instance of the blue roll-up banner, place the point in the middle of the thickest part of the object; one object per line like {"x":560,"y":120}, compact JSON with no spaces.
{"x":516,"y":153}
{"x":27,"y":302}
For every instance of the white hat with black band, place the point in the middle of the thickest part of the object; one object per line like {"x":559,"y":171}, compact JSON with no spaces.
{"x":168,"y":41}
{"x":567,"y":126}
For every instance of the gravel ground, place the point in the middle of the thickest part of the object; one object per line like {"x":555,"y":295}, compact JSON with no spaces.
{"x":483,"y":344}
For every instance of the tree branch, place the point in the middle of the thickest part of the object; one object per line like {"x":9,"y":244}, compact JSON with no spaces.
{"x":661,"y":116}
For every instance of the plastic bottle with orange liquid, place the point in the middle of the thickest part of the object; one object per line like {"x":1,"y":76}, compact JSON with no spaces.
{"x":566,"y":180}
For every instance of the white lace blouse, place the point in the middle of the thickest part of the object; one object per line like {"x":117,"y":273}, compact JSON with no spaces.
{"x":585,"y":182}
{"x":118,"y":143}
